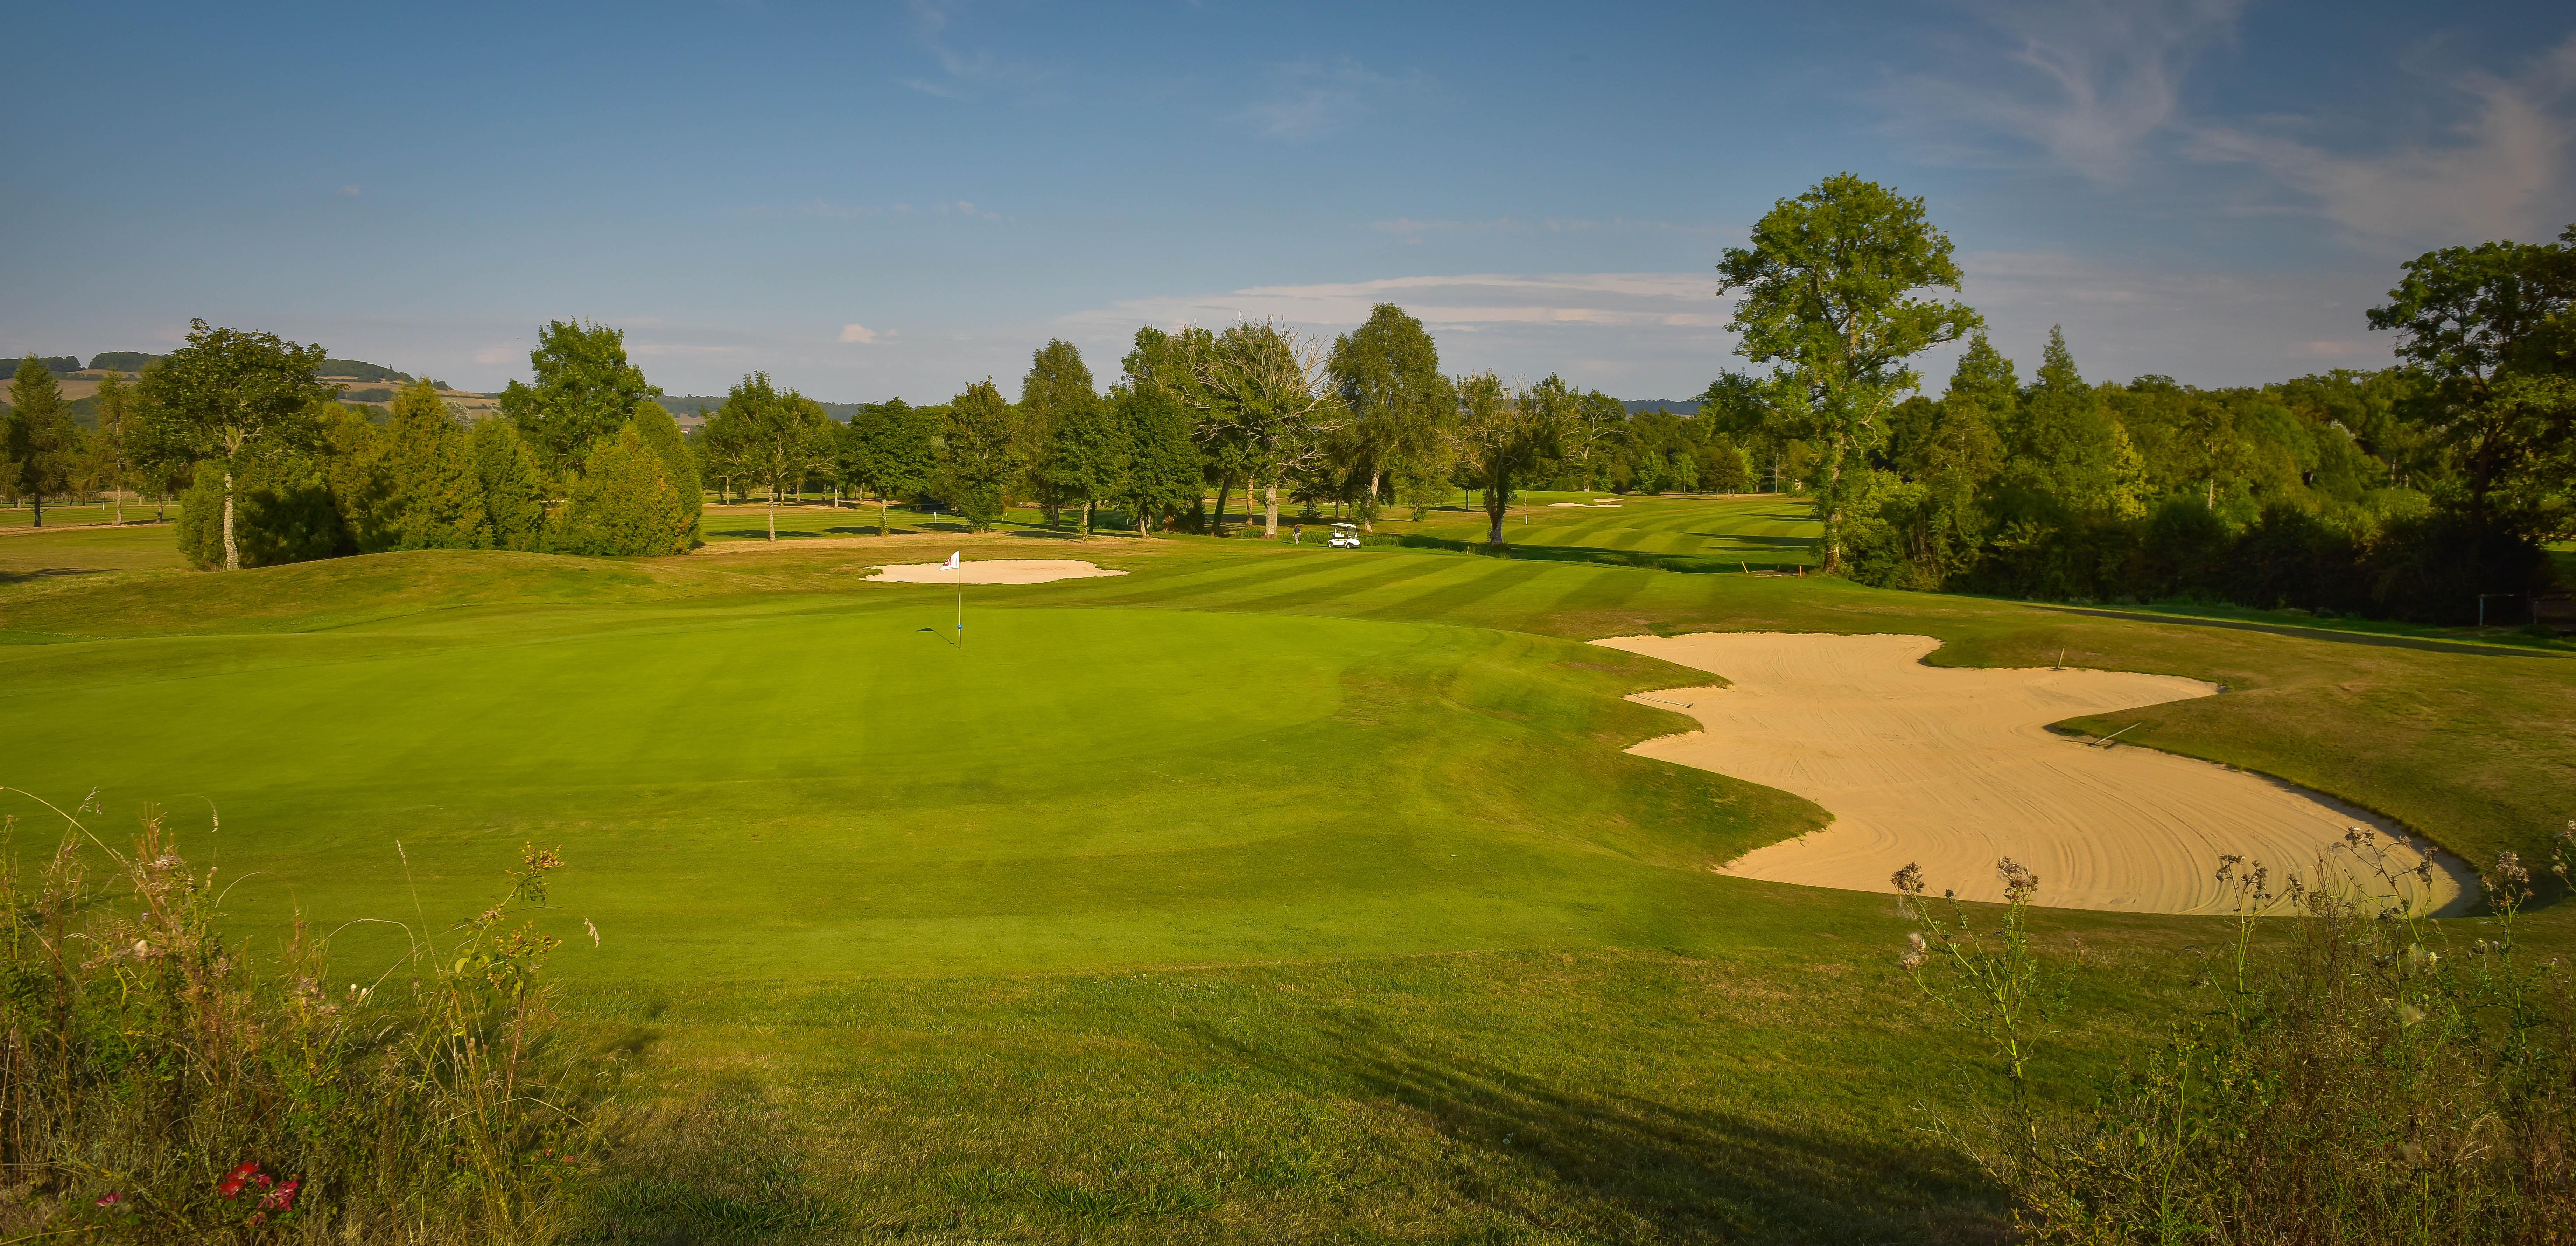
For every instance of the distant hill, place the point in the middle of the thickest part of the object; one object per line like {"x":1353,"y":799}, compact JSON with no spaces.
{"x":1636,"y":405}
{"x":354,"y":370}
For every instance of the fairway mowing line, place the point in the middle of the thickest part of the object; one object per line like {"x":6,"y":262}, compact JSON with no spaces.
{"x":1953,"y":768}
{"x":1403,"y":569}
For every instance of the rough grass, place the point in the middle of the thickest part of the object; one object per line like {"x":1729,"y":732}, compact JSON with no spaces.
{"x":1138,"y":920}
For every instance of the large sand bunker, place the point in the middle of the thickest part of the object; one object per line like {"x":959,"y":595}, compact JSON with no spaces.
{"x":993,"y":571}
{"x":1953,"y":769}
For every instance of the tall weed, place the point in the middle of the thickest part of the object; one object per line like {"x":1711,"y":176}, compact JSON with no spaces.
{"x":2349,"y":1076}
{"x":160,"y":1084}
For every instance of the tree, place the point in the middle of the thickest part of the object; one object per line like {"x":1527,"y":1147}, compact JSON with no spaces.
{"x":1268,"y":407}
{"x":1597,"y":427}
{"x":1057,"y":389}
{"x":111,"y":446}
{"x":231,"y":395}
{"x":661,"y":432}
{"x":1827,"y":284}
{"x":2065,"y":452}
{"x":623,"y":504}
{"x":771,"y":437}
{"x":514,"y":487}
{"x":41,"y":443}
{"x":585,"y":390}
{"x":437,"y":493}
{"x":980,"y":461}
{"x":1387,"y":375}
{"x":1162,"y":462}
{"x":1500,"y":439}
{"x":889,"y":448}
{"x":2490,"y":326}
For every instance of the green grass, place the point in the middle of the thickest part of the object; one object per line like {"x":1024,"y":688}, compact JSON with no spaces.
{"x":1682,"y":534}
{"x":1265,"y":893}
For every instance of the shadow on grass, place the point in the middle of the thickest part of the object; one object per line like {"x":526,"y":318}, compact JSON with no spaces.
{"x":722,"y":1167}
{"x":2502,"y":648}
{"x":1625,"y":1167}
{"x":45,"y":573}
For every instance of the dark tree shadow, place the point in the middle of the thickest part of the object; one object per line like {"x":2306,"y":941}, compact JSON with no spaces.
{"x":2309,"y":633}
{"x":1631,"y":1168}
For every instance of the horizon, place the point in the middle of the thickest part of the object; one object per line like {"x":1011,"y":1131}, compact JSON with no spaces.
{"x":900,"y":201}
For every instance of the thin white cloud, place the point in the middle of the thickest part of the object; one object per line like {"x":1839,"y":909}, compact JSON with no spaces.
{"x":2085,"y":83}
{"x":858,"y":333}
{"x":2500,"y":171}
{"x":964,"y":73}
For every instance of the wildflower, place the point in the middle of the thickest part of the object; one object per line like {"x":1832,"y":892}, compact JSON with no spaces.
{"x":232,"y":1182}
{"x":1909,"y":881}
{"x":112,"y":1199}
{"x":2420,"y":957}
{"x":1915,"y":953}
{"x":283,"y":1197}
{"x":2019,"y":883}
{"x":2409,"y":1014}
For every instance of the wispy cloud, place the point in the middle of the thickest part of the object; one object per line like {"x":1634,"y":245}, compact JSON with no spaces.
{"x":963,"y":74}
{"x":858,"y":333}
{"x":2084,"y":83}
{"x":1310,"y":100}
{"x":2498,"y":171}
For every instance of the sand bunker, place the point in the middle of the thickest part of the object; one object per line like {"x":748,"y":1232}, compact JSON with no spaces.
{"x":1953,"y":769}
{"x":992,"y":571}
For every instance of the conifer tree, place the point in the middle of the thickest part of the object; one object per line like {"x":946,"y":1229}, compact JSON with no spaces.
{"x":439,"y":495}
{"x":514,"y":487}
{"x":662,"y":433}
{"x":624,"y":504}
{"x":40,"y":442}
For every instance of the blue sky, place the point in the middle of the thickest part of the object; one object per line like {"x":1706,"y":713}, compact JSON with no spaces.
{"x":875,"y":200}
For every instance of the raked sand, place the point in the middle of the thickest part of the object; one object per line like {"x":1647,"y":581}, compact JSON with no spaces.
{"x":1953,"y":769}
{"x":993,"y":571}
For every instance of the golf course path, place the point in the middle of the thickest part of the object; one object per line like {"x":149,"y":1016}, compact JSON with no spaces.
{"x":992,"y":571}
{"x":1954,"y":769}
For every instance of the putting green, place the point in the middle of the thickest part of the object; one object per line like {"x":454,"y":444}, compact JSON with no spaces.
{"x":810,"y":786}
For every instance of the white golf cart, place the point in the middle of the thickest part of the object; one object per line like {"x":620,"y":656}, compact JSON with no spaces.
{"x":1345,"y":536}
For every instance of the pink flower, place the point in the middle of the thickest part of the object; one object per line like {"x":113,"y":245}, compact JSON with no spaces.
{"x":283,"y":1198}
{"x":112,"y":1200}
{"x":232,"y":1182}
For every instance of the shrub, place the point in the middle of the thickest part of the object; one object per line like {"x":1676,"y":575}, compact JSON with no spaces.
{"x":2351,"y":1077}
{"x":282,"y":512}
{"x":159,"y":1084}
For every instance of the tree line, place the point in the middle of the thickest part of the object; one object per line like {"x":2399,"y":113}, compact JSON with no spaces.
{"x":2409,"y":491}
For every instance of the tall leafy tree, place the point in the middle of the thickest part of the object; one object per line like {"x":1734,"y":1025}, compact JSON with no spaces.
{"x":231,"y":395}
{"x":1387,"y":374}
{"x":889,"y":449}
{"x":1828,"y":287}
{"x":980,"y":458}
{"x":1162,"y":363}
{"x":1057,"y":389}
{"x":40,"y":442}
{"x":585,"y":390}
{"x":1501,"y":439}
{"x":1163,"y":465}
{"x":112,"y":445}
{"x":2491,"y":327}
{"x":1268,"y":407}
{"x":775,"y":437}
{"x":1086,"y":456}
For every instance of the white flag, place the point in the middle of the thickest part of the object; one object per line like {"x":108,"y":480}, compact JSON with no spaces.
{"x":952,"y":561}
